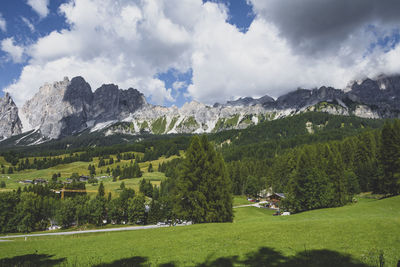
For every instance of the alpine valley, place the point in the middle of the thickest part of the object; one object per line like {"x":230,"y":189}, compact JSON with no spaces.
{"x":69,"y":107}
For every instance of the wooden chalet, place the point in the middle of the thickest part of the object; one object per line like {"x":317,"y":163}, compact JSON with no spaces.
{"x":276,"y":197}
{"x":274,"y":200}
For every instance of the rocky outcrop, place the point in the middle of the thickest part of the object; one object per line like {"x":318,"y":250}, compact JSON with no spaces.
{"x":111,"y":103}
{"x":77,"y":101}
{"x":10,"y":124}
{"x":382,"y":94}
{"x":59,"y":109}
{"x":68,"y":107}
{"x":303,"y":98}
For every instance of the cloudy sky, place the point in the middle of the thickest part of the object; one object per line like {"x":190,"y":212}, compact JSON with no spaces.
{"x":211,"y":51}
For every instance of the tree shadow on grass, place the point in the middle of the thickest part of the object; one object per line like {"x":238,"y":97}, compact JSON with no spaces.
{"x":31,"y":260}
{"x":271,"y":258}
{"x":264,"y":256}
{"x":136,"y":261}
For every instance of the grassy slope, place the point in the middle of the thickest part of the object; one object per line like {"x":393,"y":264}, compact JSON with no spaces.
{"x":240,"y":200}
{"x":81,"y":168}
{"x":360,"y":230}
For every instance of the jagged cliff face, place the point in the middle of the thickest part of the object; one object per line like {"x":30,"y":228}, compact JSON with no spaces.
{"x":67,"y":107}
{"x":59,"y":109}
{"x":10,"y":123}
{"x":111,"y":103}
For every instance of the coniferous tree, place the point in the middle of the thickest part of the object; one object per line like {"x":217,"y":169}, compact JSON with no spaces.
{"x":335,"y":172}
{"x":100,"y":192}
{"x":390,"y":158}
{"x":155,"y":213}
{"x":137,"y":209}
{"x":150,"y":168}
{"x":309,"y":186}
{"x":137,"y":171}
{"x":203,"y":189}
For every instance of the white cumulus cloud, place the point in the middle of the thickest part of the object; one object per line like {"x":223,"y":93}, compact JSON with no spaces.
{"x":122,"y":42}
{"x":40,"y":7}
{"x":14,"y":51}
{"x":129,"y":42}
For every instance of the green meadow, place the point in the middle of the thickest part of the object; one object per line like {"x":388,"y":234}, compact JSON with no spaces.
{"x":366,"y":233}
{"x":66,"y":170}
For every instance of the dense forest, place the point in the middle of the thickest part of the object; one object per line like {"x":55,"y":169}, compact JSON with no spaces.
{"x":316,"y":159}
{"x":326,"y":174}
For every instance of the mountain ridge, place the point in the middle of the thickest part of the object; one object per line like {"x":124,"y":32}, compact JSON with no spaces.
{"x":68,"y":107}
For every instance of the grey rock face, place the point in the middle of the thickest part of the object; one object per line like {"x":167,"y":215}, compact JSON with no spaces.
{"x":67,"y":107}
{"x":303,"y":98}
{"x":46,"y":109}
{"x":105,"y":103}
{"x":78,"y":99}
{"x":111,"y":103}
{"x":383,"y":94}
{"x":59,"y":109}
{"x":130,"y":101}
{"x":10,"y":123}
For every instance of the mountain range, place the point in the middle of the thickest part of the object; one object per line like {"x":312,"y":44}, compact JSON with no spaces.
{"x":68,"y":107}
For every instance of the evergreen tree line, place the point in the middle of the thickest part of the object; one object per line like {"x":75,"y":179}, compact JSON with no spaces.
{"x":37,"y":207}
{"x":106,"y":160}
{"x":45,"y":163}
{"x":127,"y":171}
{"x":248,"y":176}
{"x":329,"y":174}
{"x":156,"y":146}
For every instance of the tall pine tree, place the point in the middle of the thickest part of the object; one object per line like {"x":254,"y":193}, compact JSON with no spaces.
{"x":203,"y":188}
{"x":390,"y":158}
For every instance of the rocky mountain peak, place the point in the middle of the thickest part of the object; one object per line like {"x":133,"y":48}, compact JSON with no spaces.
{"x":130,"y":101}
{"x":10,"y":124}
{"x":78,"y":91}
{"x":69,"y":106}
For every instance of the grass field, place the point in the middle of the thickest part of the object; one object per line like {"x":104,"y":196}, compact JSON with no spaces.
{"x":66,"y":170}
{"x":354,"y":235}
{"x":240,"y":200}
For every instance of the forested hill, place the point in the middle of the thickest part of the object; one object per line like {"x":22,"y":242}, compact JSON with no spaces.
{"x":321,"y":169}
{"x":261,"y":140}
{"x":270,"y":138}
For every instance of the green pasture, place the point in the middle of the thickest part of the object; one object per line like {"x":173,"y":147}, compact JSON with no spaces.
{"x":240,"y":200}
{"x":360,"y":234}
{"x":66,"y":170}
